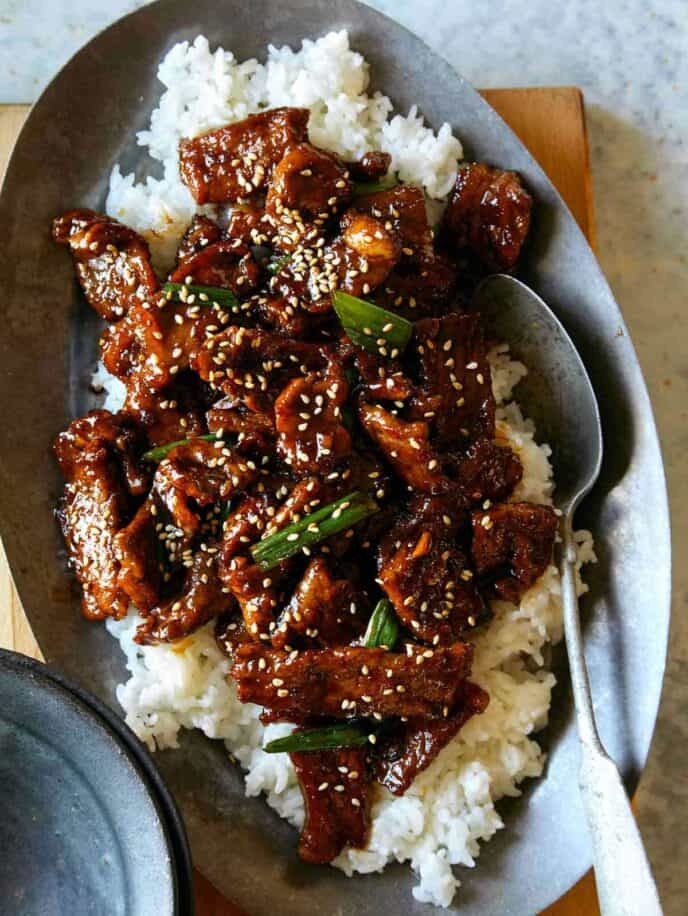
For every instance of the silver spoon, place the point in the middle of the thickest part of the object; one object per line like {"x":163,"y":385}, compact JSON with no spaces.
{"x":561,"y":401}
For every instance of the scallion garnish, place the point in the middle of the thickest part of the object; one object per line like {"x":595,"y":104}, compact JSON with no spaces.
{"x":321,"y":524}
{"x":386,"y":183}
{"x":200,"y":295}
{"x":157,"y":454}
{"x":383,"y":627}
{"x":319,"y":739}
{"x":371,"y":327}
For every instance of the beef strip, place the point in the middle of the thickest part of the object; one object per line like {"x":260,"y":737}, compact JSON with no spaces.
{"x":419,"y":286}
{"x":175,"y":412}
{"x":94,"y":455}
{"x":371,"y":166}
{"x":383,"y":379}
{"x":406,"y":447}
{"x":427,"y":576}
{"x":489,"y":215}
{"x":335,"y":786}
{"x":139,"y":552}
{"x":248,"y":520}
{"x":235,"y":161}
{"x":456,"y":388}
{"x":402,"y":209}
{"x":353,"y":681}
{"x":199,"y":474}
{"x":408,"y":748}
{"x":152,"y":346}
{"x":356,"y":261}
{"x":111,"y":261}
{"x":201,"y":232}
{"x":367,"y":253}
{"x":281,"y":315}
{"x":255,"y":431}
{"x":307,"y":186}
{"x":230,"y":633}
{"x":228,"y":264}
{"x":253,"y":366}
{"x":322,"y":611}
{"x":250,"y":224}
{"x":203,"y":596}
{"x":485,"y":471}
{"x":255,"y":592}
{"x":309,"y":423}
{"x":128,"y":346}
{"x":114,"y":432}
{"x":512,"y":546}
{"x":151,"y":350}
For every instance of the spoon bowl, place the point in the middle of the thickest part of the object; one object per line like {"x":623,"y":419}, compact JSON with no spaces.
{"x":557,"y":392}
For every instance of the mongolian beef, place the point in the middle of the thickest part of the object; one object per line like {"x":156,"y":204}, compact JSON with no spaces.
{"x":307,"y":452}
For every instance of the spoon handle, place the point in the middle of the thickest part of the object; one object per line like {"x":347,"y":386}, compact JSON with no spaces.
{"x":625,"y":884}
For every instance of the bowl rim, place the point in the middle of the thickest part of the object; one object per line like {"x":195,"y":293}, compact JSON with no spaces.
{"x":137,"y":754}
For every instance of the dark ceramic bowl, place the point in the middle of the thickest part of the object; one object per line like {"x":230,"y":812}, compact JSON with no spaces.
{"x":85,"y":122}
{"x":87,"y":826}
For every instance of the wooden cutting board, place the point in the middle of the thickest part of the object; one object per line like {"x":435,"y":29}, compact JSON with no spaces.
{"x":551,"y":123}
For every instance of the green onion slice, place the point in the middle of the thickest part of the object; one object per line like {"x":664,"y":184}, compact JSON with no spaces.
{"x":386,"y":183}
{"x":383,"y":627}
{"x":319,"y":739}
{"x":157,"y":454}
{"x":371,"y":327}
{"x":200,"y":295}
{"x":313,"y":528}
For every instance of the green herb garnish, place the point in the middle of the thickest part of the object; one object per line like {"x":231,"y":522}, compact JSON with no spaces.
{"x":370,"y":326}
{"x":383,"y":627}
{"x":200,"y":295}
{"x":320,"y":739}
{"x":386,"y":183}
{"x":313,"y":528}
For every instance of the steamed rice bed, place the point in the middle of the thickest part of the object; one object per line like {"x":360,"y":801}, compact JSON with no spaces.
{"x":450,"y":807}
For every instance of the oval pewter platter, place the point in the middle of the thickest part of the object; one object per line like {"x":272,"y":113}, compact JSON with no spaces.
{"x":84,"y":122}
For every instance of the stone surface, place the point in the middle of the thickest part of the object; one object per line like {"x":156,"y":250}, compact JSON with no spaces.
{"x":630,"y":61}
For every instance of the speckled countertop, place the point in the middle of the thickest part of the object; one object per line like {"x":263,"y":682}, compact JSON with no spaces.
{"x":630,"y":58}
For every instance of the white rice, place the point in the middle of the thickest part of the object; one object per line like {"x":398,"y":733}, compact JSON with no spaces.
{"x":206,"y":89}
{"x":450,"y":807}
